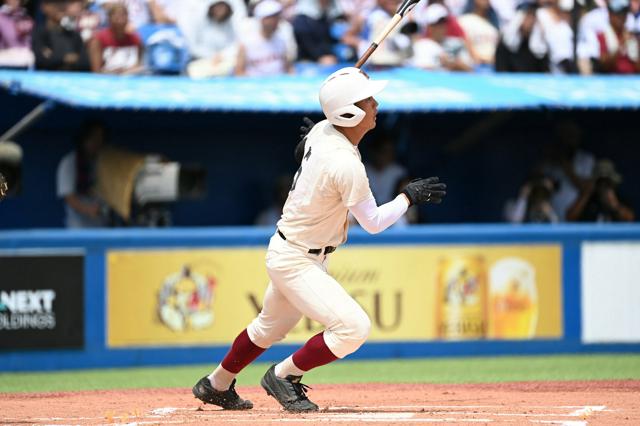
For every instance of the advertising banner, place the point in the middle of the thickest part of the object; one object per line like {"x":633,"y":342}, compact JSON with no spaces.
{"x":610,"y":292}
{"x":41,"y":301}
{"x":422,"y":293}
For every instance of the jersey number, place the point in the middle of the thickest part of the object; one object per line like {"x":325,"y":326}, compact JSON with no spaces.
{"x":297,"y":176}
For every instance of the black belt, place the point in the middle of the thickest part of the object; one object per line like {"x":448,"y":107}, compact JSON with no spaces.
{"x":326,"y":250}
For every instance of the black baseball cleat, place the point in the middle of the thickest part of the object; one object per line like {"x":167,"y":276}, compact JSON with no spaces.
{"x":229,"y":399}
{"x":289,"y":392}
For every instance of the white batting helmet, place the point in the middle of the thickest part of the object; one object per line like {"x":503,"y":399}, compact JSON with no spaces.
{"x":341,"y":90}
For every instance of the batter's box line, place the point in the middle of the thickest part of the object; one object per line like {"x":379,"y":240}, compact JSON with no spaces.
{"x":365,"y":407}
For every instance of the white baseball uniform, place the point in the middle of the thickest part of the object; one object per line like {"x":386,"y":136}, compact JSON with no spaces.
{"x":331,"y":181}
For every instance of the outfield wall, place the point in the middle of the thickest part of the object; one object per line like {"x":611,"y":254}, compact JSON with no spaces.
{"x":80,"y":299}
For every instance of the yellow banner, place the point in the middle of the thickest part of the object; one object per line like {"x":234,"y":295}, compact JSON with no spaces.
{"x":204,"y":297}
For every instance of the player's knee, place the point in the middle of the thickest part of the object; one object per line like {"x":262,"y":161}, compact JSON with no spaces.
{"x":360,"y":328}
{"x":262,"y":334}
{"x":356,"y":329}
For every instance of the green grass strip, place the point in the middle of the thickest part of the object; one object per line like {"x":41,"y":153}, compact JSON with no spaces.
{"x":433,"y":370}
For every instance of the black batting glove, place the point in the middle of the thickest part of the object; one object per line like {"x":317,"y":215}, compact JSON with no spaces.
{"x":429,"y":190}
{"x":306,"y":127}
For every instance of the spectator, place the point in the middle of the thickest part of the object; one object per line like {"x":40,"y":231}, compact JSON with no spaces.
{"x":481,"y":31}
{"x":396,"y":48}
{"x":284,"y":30}
{"x":56,"y":46}
{"x":76,"y":178}
{"x":271,"y":215}
{"x":145,"y":12}
{"x":421,"y":17}
{"x":116,"y":50}
{"x":534,"y":202}
{"x":633,"y":20}
{"x":264,"y":52}
{"x":438,"y":51}
{"x":84,"y":20}
{"x":455,"y":7}
{"x":567,"y":164}
{"x":213,"y":41}
{"x":505,"y":11}
{"x":618,"y":47}
{"x":165,"y":11}
{"x":555,"y":22}
{"x":599,"y":200}
{"x":356,"y":9}
{"x":312,"y":28}
{"x":15,"y":35}
{"x":383,"y":171}
{"x":522,"y":47}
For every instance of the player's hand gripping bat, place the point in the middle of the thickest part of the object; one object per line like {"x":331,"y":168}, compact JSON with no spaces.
{"x":403,"y":9}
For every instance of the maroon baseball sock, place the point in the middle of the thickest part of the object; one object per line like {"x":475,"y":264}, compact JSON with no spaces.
{"x":242,"y":353}
{"x":313,"y":354}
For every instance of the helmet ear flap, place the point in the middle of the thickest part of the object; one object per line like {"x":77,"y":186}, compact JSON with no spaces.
{"x":347,"y":116}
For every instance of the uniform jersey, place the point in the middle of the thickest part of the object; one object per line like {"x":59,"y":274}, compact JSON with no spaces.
{"x":265,"y":57}
{"x":119,"y":53}
{"x":330,"y":180}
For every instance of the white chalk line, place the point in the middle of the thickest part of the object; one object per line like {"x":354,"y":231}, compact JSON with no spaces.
{"x":373,"y":407}
{"x":363,"y":420}
{"x":333,"y":414}
{"x":587,"y":410}
{"x":163,"y":411}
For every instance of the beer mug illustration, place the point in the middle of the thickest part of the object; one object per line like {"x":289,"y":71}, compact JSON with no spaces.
{"x":462,"y":297}
{"x":513,"y":299}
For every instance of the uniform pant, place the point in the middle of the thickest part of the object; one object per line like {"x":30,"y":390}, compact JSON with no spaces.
{"x":300,"y":285}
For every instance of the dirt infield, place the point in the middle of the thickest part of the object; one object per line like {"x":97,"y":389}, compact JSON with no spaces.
{"x":559,"y":403}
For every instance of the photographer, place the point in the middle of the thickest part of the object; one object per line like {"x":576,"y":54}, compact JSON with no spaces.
{"x":534,"y":202}
{"x":599,"y":201}
{"x":76,"y":178}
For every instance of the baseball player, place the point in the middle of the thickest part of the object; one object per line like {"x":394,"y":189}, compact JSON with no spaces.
{"x":330,"y":182}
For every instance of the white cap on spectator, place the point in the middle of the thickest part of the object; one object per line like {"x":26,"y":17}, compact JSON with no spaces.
{"x":565,"y":5}
{"x":436,"y":12}
{"x":618,"y":5}
{"x":267,"y":8}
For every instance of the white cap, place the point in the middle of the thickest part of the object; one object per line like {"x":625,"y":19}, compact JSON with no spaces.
{"x":436,"y":12}
{"x":565,"y":5}
{"x":618,"y":5}
{"x":341,"y":90}
{"x":267,"y":8}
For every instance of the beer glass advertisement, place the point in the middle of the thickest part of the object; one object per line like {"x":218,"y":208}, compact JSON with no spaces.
{"x":206,"y":297}
{"x":41,"y":301}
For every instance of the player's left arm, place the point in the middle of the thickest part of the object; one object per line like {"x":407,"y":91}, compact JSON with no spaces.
{"x":376,"y":219}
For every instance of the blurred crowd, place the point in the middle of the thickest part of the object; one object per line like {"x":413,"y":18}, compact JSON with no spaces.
{"x":208,"y":38}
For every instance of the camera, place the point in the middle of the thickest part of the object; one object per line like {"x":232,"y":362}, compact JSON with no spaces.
{"x":159,"y":183}
{"x":11,"y":167}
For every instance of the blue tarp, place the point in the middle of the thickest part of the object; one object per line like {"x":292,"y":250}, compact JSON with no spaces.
{"x":409,"y":90}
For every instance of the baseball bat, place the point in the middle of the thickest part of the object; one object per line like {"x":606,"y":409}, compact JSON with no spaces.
{"x":403,"y":9}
